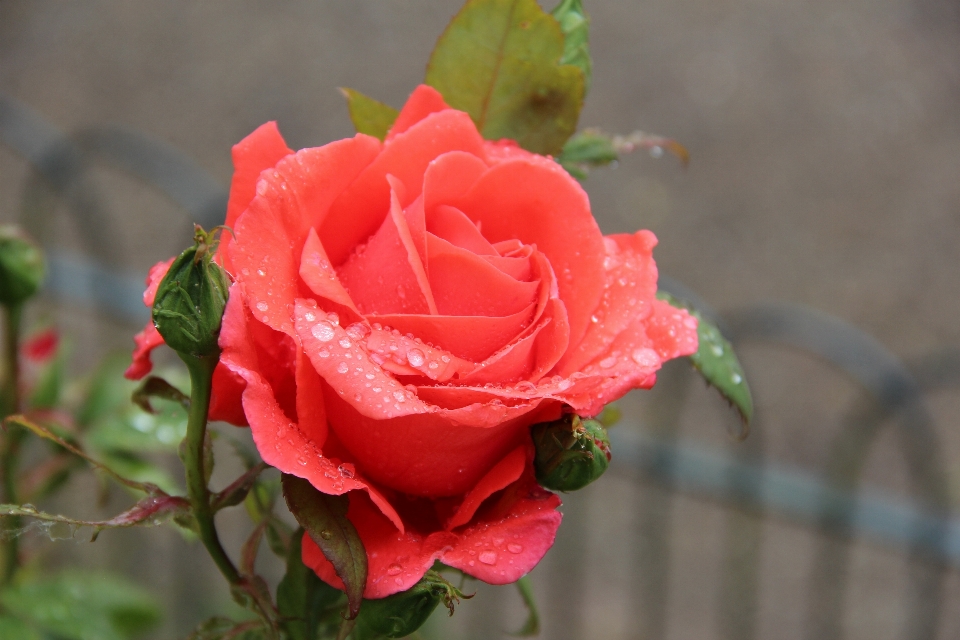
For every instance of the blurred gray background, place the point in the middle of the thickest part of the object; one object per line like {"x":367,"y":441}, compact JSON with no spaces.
{"x":825,"y":172}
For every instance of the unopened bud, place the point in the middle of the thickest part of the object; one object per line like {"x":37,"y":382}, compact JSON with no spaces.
{"x":21,"y":266}
{"x":401,"y":614}
{"x":571,"y":452}
{"x":191,"y":298}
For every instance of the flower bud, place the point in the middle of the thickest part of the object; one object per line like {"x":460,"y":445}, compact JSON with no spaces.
{"x":401,"y":614}
{"x":191,"y":298}
{"x":21,"y":266}
{"x":571,"y":452}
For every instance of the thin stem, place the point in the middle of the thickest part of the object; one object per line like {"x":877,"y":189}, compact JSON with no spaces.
{"x":12,"y":438}
{"x":201,"y":381}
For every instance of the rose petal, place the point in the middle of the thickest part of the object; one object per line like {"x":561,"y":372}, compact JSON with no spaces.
{"x":508,"y":539}
{"x":502,"y":475}
{"x":385,"y":275}
{"x":291,"y":446}
{"x":272,"y":232}
{"x":319,"y":275}
{"x":538,"y":203}
{"x":226,"y":397}
{"x":630,"y":285}
{"x":473,"y":338}
{"x":359,"y":211}
{"x":260,"y":150}
{"x":464,"y":284}
{"x":148,"y":339}
{"x":422,"y":102}
{"x":449,"y":177}
{"x":450,"y":224}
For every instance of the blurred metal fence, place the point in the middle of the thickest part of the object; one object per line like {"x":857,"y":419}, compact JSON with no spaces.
{"x":894,"y":395}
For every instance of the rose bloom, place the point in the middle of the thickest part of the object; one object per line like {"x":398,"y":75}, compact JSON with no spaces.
{"x":402,"y":312}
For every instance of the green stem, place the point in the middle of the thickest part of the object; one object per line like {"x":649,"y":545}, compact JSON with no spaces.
{"x":201,"y":382}
{"x":12,"y":437}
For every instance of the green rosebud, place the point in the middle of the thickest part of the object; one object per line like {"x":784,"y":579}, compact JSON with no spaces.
{"x":401,"y":614}
{"x":191,"y":298}
{"x":21,"y":266}
{"x":571,"y":452}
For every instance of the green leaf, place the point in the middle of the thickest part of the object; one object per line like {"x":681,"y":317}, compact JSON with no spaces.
{"x":718,"y":364}
{"x":324,"y":517}
{"x":238,"y":490}
{"x":83,"y":606}
{"x":14,"y":628}
{"x":499,"y":60}
{"x":305,"y":602}
{"x":532,"y":626}
{"x":220,"y":628}
{"x":369,"y":116}
{"x":575,"y":24}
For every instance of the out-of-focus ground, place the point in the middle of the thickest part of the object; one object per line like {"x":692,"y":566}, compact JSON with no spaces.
{"x":825,"y":171}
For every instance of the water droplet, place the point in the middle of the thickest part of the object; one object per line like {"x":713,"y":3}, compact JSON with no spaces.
{"x":645,"y":357}
{"x":394,"y":569}
{"x":323,"y":331}
{"x":433,"y":365}
{"x":323,"y":353}
{"x":262,"y":306}
{"x":333,"y":317}
{"x":358,"y":397}
{"x":261,"y":272}
{"x":445,"y":358}
{"x":415,"y":357}
{"x":369,"y":376}
{"x":717,"y":350}
{"x":606,"y":363}
{"x":656,"y":152}
{"x":398,"y":395}
{"x":345,"y":342}
{"x":563,"y":385}
{"x":736,"y":378}
{"x":526,"y":386}
{"x":346,"y":470}
{"x":310,"y":316}
{"x":594,"y":319}
{"x":326,"y":535}
{"x":488,"y":557}
{"x":342,"y":367}
{"x":513,"y":547}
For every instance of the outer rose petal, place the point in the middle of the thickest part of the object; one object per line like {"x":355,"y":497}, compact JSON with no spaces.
{"x":148,"y":339}
{"x":506,"y":540}
{"x":422,"y":102}
{"x":259,"y":151}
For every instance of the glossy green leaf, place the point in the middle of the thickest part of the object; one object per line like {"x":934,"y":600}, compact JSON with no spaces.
{"x":306,"y":603}
{"x":575,"y":24}
{"x":718,"y":364}
{"x":16,"y":629}
{"x":499,"y":60}
{"x":532,"y":626}
{"x":83,"y":606}
{"x":324,"y":517}
{"x":369,"y":116}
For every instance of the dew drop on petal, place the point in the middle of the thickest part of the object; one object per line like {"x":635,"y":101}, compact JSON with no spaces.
{"x":398,"y":395}
{"x":342,"y":367}
{"x":323,"y":331}
{"x":433,"y":365}
{"x":394,"y":569}
{"x":345,"y":342}
{"x":513,"y":547}
{"x":645,"y":357}
{"x":563,"y":385}
{"x":323,"y":353}
{"x":415,"y":357}
{"x":606,"y":363}
{"x":310,"y":316}
{"x":333,"y":317}
{"x":346,"y":470}
{"x":488,"y":557}
{"x":262,"y":306}
{"x":445,"y":358}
